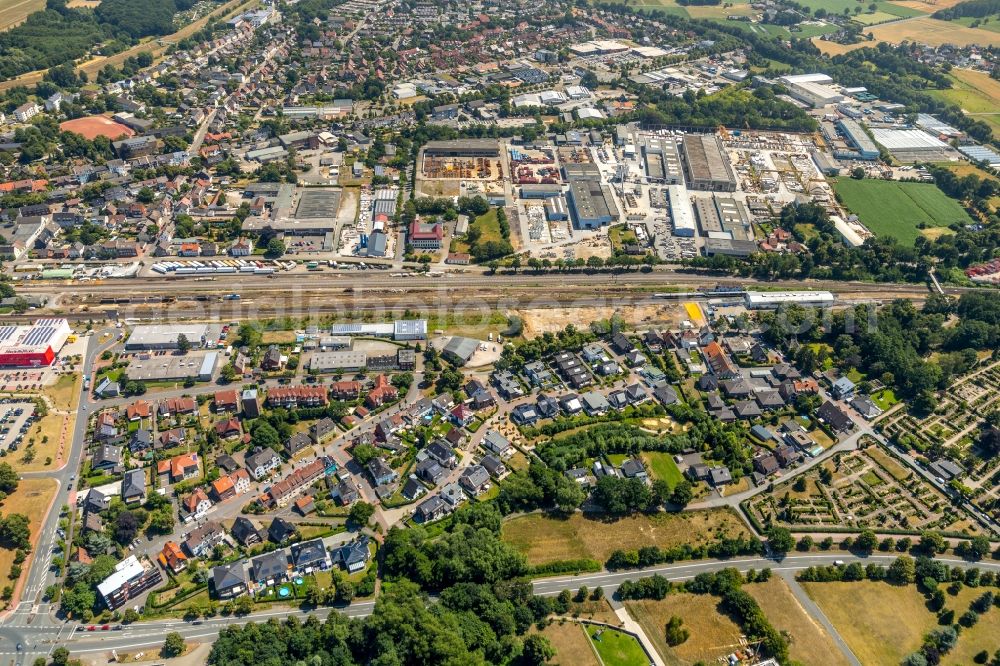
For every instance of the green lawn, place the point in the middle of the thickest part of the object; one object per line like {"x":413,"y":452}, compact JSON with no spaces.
{"x":662,"y":466}
{"x":884,"y":399}
{"x":616,"y":648}
{"x":838,"y":7}
{"x":899,"y":210}
{"x":991,"y":23}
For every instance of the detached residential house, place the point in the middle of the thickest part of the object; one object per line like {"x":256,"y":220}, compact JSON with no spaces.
{"x":196,"y":504}
{"x":475,"y":479}
{"x":269,"y":569}
{"x":245,"y":532}
{"x":202,"y":540}
{"x":354,"y":555}
{"x":230,"y":580}
{"x":497,"y":444}
{"x":310,"y":556}
{"x":134,"y":486}
{"x":262,"y":463}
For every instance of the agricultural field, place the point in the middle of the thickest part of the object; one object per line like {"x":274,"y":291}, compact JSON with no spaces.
{"x":881,"y":623}
{"x":713,"y":634}
{"x":13,"y":12}
{"x":976,"y":93}
{"x":900,"y":210}
{"x":865,"y":489}
{"x":835,"y":49}
{"x":807,"y":638}
{"x":838,"y":7}
{"x":669,"y":7}
{"x":545,"y":539}
{"x":934,"y":33}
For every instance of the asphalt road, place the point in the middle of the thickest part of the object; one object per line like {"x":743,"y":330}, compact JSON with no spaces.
{"x":30,"y":613}
{"x":43,"y":636}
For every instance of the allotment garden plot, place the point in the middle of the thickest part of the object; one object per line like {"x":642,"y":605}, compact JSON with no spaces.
{"x":948,"y":436}
{"x":861,"y":489}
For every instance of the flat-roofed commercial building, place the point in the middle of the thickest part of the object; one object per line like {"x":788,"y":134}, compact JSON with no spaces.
{"x":338,"y":361}
{"x":590,"y":203}
{"x":857,"y":138}
{"x":462,"y":148}
{"x":165,"y":336}
{"x":680,"y":211}
{"x":706,"y":164}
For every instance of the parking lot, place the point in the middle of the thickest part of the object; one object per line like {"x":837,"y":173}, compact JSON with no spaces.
{"x":16,"y":418}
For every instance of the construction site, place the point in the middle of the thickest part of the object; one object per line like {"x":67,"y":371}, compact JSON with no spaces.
{"x":461,"y":168}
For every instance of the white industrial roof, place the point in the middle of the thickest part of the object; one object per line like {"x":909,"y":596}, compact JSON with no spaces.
{"x":806,"y":78}
{"x":906,"y":139}
{"x":766,"y":297}
{"x":680,"y":208}
{"x":587,"y":113}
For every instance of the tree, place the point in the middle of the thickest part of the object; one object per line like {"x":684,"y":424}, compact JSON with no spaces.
{"x":183,"y":344}
{"x":932,"y":543}
{"x":345,"y":592}
{"x":173,"y":646}
{"x":275,"y":249}
{"x":15,"y":532}
{"x":675,"y":632}
{"x":8,"y":478}
{"x":866,"y":541}
{"x":126,"y":527}
{"x":364,"y":453}
{"x":780,"y":540}
{"x":683,"y":493}
{"x":361,"y":513}
{"x":537,"y":650}
{"x":902,"y":571}
{"x":60,"y":656}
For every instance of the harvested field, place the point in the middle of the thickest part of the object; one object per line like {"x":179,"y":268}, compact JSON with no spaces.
{"x":13,"y":12}
{"x":834,"y":49}
{"x":544,"y":539}
{"x":552,"y":320}
{"x":933,"y":32}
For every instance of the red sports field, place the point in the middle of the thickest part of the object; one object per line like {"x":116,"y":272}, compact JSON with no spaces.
{"x":92,"y":127}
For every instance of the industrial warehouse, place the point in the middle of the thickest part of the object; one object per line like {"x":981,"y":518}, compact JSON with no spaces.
{"x":32,"y":346}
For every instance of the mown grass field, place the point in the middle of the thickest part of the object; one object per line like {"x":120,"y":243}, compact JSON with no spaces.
{"x":808,"y":640}
{"x":662,"y":466}
{"x":895,"y":209}
{"x":881,"y":623}
{"x":712,"y":633}
{"x":616,"y":648}
{"x":545,"y":539}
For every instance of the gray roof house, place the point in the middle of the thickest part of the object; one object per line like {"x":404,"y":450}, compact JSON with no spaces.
{"x":229,"y":580}
{"x":475,"y":479}
{"x":134,"y":486}
{"x":269,"y":568}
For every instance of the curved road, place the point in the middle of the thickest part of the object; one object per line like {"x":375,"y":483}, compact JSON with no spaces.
{"x":29,"y":610}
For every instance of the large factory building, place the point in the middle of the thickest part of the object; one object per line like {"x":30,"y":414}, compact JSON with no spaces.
{"x":32,"y":346}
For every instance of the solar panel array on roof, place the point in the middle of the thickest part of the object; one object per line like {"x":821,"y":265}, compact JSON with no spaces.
{"x":39,"y":335}
{"x":6,"y":332}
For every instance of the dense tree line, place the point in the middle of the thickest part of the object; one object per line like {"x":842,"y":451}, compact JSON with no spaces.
{"x":974,"y":8}
{"x":58,"y":35}
{"x":469,"y":551}
{"x":471,"y":624}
